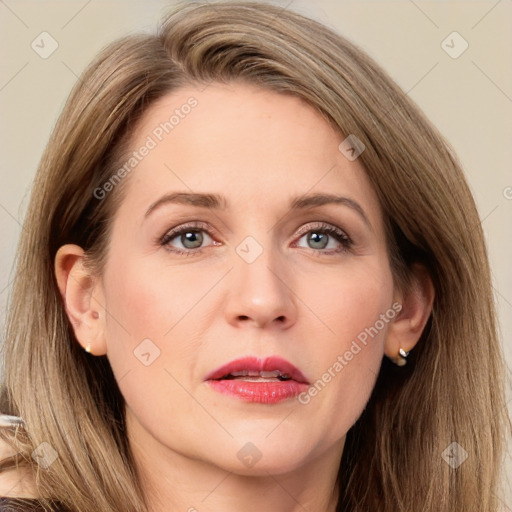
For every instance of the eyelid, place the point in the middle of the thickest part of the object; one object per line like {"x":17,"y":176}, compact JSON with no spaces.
{"x":320,"y":225}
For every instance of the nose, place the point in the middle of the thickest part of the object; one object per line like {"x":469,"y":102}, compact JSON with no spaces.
{"x":261,"y":294}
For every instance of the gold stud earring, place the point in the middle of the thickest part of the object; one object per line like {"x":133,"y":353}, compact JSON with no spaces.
{"x":88,"y":347}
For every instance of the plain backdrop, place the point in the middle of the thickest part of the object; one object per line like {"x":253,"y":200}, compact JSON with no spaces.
{"x":462,"y":81}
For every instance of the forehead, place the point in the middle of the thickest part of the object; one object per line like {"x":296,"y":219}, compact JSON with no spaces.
{"x":255,"y":146}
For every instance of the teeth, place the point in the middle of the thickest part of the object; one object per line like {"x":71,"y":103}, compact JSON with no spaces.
{"x":269,"y":375}
{"x":264,"y":374}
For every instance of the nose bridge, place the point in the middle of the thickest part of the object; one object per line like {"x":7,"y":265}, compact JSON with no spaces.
{"x":259,"y":289}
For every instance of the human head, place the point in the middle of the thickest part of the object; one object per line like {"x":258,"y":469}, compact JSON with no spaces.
{"x":425,"y":202}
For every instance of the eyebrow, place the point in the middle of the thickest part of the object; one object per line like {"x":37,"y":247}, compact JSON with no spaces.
{"x":218,"y":202}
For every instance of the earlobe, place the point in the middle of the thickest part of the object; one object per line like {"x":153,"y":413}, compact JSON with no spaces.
{"x":407,"y":327}
{"x":80,"y":293}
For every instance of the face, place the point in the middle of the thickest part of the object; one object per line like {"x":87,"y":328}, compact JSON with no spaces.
{"x":243,"y":264}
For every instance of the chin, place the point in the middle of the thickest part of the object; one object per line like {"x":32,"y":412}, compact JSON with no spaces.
{"x":268,"y":465}
{"x":261,"y":453}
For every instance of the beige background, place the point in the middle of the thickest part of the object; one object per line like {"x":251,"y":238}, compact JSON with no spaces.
{"x":468,"y":98}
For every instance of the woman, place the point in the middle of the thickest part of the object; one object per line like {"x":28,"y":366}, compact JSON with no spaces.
{"x":245,"y":223}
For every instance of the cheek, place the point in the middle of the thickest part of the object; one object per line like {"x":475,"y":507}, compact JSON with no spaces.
{"x":356,"y":312}
{"x":144,"y":313}
{"x":145,"y":317}
{"x":348,"y":303}
{"x":149,"y":301}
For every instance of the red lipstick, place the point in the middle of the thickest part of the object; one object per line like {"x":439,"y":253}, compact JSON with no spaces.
{"x":251,"y":379}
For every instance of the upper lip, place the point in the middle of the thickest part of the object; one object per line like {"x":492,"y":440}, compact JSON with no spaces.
{"x":268,"y":364}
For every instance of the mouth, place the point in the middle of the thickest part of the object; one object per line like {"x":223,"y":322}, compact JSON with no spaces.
{"x":252,"y":369}
{"x":250,"y":376}
{"x":251,"y":379}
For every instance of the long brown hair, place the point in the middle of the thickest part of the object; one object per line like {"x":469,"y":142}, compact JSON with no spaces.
{"x":452,"y":389}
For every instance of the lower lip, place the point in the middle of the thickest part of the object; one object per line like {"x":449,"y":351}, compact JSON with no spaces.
{"x":261,"y":392}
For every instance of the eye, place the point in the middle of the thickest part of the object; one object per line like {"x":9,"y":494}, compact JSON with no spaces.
{"x":187,"y":239}
{"x":326,"y":239}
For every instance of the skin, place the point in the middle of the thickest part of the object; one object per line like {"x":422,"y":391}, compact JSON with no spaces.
{"x":259,"y":149}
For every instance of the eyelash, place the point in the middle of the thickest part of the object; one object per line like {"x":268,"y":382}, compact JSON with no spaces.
{"x":321,"y":227}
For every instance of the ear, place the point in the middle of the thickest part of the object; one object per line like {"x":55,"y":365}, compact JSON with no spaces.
{"x":406,"y":329}
{"x":83,"y":298}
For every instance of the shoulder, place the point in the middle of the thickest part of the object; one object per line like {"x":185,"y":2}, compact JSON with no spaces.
{"x":14,"y":482}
